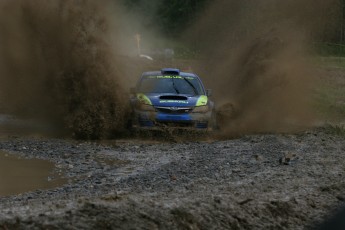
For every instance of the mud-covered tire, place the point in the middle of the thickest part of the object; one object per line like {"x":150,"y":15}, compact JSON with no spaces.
{"x":213,"y":122}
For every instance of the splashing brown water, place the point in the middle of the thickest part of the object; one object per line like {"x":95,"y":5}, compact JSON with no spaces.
{"x":256,"y":58}
{"x":58,"y":63}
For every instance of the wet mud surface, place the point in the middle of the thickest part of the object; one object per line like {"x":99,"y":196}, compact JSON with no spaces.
{"x":230,"y":184}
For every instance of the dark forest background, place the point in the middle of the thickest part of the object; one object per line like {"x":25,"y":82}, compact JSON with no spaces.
{"x":173,"y":17}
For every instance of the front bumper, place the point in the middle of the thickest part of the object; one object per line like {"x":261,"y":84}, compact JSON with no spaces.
{"x":157,"y":120}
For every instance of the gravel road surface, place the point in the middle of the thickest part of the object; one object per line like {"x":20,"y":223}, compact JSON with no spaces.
{"x":253,"y":182}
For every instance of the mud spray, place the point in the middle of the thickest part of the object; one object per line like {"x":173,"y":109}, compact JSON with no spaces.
{"x":59,"y":61}
{"x":59,"y":64}
{"x":256,"y":58}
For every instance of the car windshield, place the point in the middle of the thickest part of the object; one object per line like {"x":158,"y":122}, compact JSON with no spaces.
{"x":170,"y":84}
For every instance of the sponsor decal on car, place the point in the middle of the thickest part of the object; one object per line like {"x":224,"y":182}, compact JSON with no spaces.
{"x":170,"y":77}
{"x":174,"y":101}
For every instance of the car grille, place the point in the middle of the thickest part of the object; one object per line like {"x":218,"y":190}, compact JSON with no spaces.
{"x":201,"y":125}
{"x":175,"y":124}
{"x":143,"y":122}
{"x":174,"y":110}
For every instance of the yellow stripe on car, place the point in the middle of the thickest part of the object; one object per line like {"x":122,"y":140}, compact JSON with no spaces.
{"x":203,"y":99}
{"x":144,"y":99}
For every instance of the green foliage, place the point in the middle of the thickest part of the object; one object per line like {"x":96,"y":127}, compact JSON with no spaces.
{"x":169,"y":16}
{"x":329,"y":100}
{"x":176,"y":15}
{"x":330,"y":49}
{"x":338,"y":130}
{"x":173,"y":16}
{"x":331,"y":62}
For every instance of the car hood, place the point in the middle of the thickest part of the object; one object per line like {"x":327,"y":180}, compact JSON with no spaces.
{"x":176,"y":100}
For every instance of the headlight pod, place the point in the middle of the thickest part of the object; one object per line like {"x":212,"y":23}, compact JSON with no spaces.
{"x":201,"y":109}
{"x":144,"y":107}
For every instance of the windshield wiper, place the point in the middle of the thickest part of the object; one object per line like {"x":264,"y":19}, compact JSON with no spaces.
{"x":191,"y":85}
{"x":174,"y":86}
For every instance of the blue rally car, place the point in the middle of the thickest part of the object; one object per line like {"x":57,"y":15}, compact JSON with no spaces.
{"x":170,"y":98}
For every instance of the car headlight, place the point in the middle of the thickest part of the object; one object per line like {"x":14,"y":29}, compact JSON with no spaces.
{"x":201,"y":109}
{"x":145,"y":107}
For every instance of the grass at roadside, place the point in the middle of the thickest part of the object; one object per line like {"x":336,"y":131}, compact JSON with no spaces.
{"x":329,"y":95}
{"x":330,"y":101}
{"x":331,"y":62}
{"x":338,"y":130}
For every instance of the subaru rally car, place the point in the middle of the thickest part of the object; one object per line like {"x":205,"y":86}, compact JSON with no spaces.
{"x":170,"y":98}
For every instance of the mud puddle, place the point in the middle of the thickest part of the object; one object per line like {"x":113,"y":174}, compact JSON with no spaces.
{"x":19,"y":175}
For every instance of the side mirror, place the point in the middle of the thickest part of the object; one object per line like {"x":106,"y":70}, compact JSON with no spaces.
{"x":209,"y":92}
{"x":132,"y":90}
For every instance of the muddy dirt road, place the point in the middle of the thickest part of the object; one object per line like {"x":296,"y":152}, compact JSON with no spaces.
{"x":230,"y":184}
{"x":66,"y":67}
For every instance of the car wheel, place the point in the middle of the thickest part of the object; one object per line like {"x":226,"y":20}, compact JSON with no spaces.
{"x":213,"y":125}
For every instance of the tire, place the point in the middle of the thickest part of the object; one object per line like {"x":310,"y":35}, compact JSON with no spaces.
{"x":214,"y":124}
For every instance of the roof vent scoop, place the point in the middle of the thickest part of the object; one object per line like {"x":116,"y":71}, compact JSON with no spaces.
{"x":170,"y":71}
